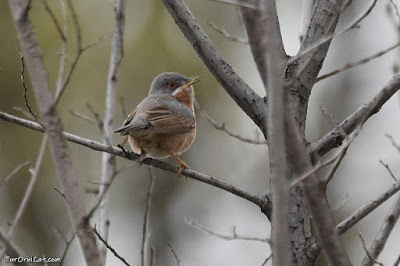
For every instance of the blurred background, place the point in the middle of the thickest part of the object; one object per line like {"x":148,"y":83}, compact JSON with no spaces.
{"x":154,"y":44}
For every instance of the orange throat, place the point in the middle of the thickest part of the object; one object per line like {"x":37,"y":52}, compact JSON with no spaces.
{"x":184,"y":97}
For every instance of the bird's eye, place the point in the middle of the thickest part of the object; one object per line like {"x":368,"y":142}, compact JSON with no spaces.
{"x":171,"y":85}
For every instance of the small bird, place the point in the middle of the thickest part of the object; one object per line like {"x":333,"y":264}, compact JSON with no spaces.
{"x":164,"y":123}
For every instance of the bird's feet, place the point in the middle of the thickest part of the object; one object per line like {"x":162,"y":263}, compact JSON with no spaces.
{"x":122,"y":148}
{"x":182,"y":166}
{"x":142,"y":157}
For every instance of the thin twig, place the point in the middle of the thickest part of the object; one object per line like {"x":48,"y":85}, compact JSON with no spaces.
{"x":233,"y":236}
{"x":123,"y":107}
{"x":367,"y":252}
{"x":358,"y":63}
{"x":146,"y":216}
{"x":63,"y":55}
{"x":388,"y":168}
{"x":383,"y":234}
{"x":67,"y":246}
{"x":396,"y":10}
{"x":54,"y":19}
{"x":79,"y":52}
{"x":178,"y":261}
{"x":24,"y":112}
{"x":341,"y":203}
{"x":224,"y":129}
{"x":84,"y":117}
{"x":59,"y":192}
{"x":29,"y":189}
{"x":25,"y":89}
{"x":7,"y":247}
{"x":14,"y":172}
{"x":226,"y":34}
{"x":96,"y":115}
{"x":67,"y":243}
{"x":397,"y":262}
{"x":322,"y":163}
{"x":106,"y":188}
{"x":362,"y":212}
{"x":266,"y":260}
{"x":393,"y":141}
{"x":335,"y":166}
{"x":335,"y":137}
{"x":110,"y":247}
{"x":325,"y":39}
{"x":77,"y":26}
{"x":241,"y":3}
{"x":152,"y":257}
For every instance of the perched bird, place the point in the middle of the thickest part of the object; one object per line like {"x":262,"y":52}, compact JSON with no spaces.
{"x":164,"y":123}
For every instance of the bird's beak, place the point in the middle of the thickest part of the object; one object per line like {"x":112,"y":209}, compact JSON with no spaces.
{"x":192,"y":80}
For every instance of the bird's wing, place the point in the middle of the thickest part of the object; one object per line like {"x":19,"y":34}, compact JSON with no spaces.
{"x":132,"y":123}
{"x":162,"y":113}
{"x":170,"y":118}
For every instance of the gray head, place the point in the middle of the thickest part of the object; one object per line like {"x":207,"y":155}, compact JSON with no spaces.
{"x":168,"y":82}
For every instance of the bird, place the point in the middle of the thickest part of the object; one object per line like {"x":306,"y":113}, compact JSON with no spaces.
{"x":163,"y":124}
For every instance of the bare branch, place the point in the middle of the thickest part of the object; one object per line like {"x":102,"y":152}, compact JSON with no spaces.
{"x":266,"y":260}
{"x":315,"y":197}
{"x":226,"y":34}
{"x":146,"y":217}
{"x":388,"y":168}
{"x":306,"y":12}
{"x":326,"y":38}
{"x":335,"y":167}
{"x":360,"y":214}
{"x":108,"y":160}
{"x":396,"y":10}
{"x":80,"y":49}
{"x":96,"y":42}
{"x":335,"y":137}
{"x":113,"y":251}
{"x":7,"y":248}
{"x":244,"y":96}
{"x":123,"y":107}
{"x":397,"y":262}
{"x":152,"y":261}
{"x":29,"y":189}
{"x":14,"y":172}
{"x":366,"y":251}
{"x":224,"y":129}
{"x":241,"y":3}
{"x":383,"y":235}
{"x":77,"y":26}
{"x":84,"y":117}
{"x":96,"y":115}
{"x":67,"y":242}
{"x":233,"y":236}
{"x":358,"y":63}
{"x":52,"y":122}
{"x":394,"y":144}
{"x":274,"y":59}
{"x":105,"y":191}
{"x":349,"y":222}
{"x":178,"y":261}
{"x":25,"y":89}
{"x":256,"y":22}
{"x":63,"y":56}
{"x":55,"y":20}
{"x":94,"y":145}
